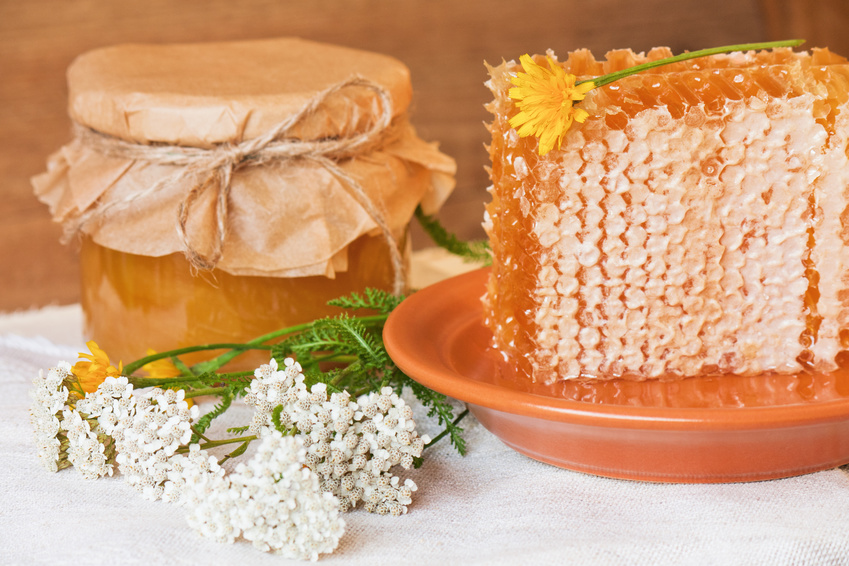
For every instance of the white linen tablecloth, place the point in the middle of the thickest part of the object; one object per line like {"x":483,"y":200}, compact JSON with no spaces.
{"x":490,"y":507}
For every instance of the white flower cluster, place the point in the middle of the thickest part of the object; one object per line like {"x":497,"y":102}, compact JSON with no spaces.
{"x":350,"y":445}
{"x":160,"y":425}
{"x":87,"y":449}
{"x":191,"y":477}
{"x":90,"y":426}
{"x":267,"y":391}
{"x":286,"y":499}
{"x":49,"y":395}
{"x":113,"y":405}
{"x":272,"y":501}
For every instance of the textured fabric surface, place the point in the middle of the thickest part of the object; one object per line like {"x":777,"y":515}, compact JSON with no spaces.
{"x":490,"y":507}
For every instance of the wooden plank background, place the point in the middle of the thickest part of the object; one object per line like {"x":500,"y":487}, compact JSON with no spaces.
{"x":444,"y":42}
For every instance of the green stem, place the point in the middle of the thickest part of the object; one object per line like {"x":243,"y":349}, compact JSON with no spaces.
{"x":207,"y":391}
{"x":345,"y":372}
{"x":609,"y":78}
{"x":214,"y":443}
{"x":138,"y":364}
{"x":439,"y":436}
{"x":184,"y":369}
{"x":145,"y":382}
{"x":362,"y":391}
{"x":200,"y":435}
{"x":343,"y":358}
{"x":217,"y":362}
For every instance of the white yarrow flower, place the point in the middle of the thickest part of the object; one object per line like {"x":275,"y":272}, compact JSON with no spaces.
{"x":49,"y":395}
{"x":191,"y":476}
{"x":351,"y":446}
{"x":111,"y":404}
{"x":273,"y":501}
{"x":160,"y":424}
{"x":87,"y":450}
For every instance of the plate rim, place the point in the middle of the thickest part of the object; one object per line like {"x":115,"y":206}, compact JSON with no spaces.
{"x":418,"y":360}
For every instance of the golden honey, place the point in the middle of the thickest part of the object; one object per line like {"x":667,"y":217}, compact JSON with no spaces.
{"x":133,"y":302}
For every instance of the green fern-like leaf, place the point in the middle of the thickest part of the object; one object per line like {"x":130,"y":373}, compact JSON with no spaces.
{"x":439,"y":407}
{"x":342,"y":335}
{"x":476,"y":251}
{"x":373,"y":299}
{"x":205,"y":421}
{"x":275,"y":419}
{"x":364,"y":344}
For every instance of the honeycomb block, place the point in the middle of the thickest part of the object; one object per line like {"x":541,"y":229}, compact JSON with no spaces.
{"x":696,"y":224}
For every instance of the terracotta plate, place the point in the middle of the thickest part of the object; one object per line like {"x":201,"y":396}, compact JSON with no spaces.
{"x":711,"y":429}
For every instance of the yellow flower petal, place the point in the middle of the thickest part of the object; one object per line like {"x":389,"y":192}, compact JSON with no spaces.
{"x":94,"y":368}
{"x":545,"y":98}
{"x":160,"y":368}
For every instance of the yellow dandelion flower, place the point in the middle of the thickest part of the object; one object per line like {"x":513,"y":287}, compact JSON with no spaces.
{"x":546,"y":100}
{"x":160,"y":368}
{"x":94,"y":368}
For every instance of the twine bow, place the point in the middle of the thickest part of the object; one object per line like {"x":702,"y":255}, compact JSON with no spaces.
{"x":212,"y":169}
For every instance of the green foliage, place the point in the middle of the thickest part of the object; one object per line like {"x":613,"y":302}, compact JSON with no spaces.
{"x":374,"y":299}
{"x":205,"y":421}
{"x":275,"y":419}
{"x":341,"y":335}
{"x":476,"y":251}
{"x":439,"y":407}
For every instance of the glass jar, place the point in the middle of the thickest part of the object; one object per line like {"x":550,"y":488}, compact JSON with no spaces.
{"x":223,"y":191}
{"x":134,"y":302}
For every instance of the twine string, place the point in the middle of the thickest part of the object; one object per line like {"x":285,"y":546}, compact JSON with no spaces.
{"x":212,"y":169}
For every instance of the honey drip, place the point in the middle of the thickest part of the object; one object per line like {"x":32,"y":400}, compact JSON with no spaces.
{"x":812,"y":318}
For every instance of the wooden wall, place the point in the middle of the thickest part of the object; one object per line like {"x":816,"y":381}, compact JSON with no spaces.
{"x":444,"y":42}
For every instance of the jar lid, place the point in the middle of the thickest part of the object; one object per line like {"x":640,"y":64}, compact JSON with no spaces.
{"x":225,"y":199}
{"x":204,"y":94}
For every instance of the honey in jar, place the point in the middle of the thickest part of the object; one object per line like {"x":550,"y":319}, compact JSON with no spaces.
{"x":222,"y":191}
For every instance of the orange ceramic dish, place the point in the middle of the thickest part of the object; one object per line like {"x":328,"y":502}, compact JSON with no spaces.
{"x":704,"y":430}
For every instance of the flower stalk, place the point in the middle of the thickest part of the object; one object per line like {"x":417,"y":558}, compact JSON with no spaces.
{"x":615,"y":76}
{"x":547,"y":98}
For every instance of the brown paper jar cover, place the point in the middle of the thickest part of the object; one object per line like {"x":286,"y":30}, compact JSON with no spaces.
{"x":286,"y":219}
{"x":295,"y":235}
